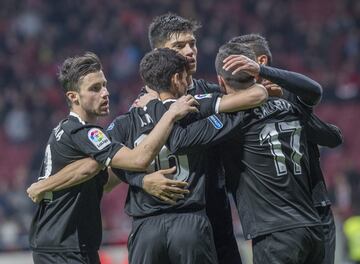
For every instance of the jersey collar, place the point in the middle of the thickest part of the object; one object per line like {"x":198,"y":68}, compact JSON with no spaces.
{"x":78,"y":117}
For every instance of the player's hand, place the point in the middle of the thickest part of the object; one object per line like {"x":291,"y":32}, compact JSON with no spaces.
{"x":184,"y":105}
{"x":143,"y":100}
{"x":159,"y":185}
{"x":34,"y":194}
{"x":237,"y":63}
{"x":273,"y":89}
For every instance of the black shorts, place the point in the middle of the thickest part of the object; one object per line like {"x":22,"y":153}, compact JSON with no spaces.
{"x":66,"y":257}
{"x":329,"y":229}
{"x":303,"y":245}
{"x":177,"y":238}
{"x":218,"y":211}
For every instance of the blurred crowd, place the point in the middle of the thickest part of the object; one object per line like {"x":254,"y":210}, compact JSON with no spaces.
{"x":318,"y":38}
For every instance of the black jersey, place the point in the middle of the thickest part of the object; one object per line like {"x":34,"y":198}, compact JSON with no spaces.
{"x":323,"y":134}
{"x":70,"y":219}
{"x":215,"y":172}
{"x":186,"y":149}
{"x":269,"y":161}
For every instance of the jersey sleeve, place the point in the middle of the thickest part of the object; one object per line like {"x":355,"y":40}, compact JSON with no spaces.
{"x":201,"y":87}
{"x":205,"y":132}
{"x":308,"y":90}
{"x":322,"y":133}
{"x":134,"y":178}
{"x":94,"y":142}
{"x":130,"y":177}
{"x":118,"y":129}
{"x":208,"y":105}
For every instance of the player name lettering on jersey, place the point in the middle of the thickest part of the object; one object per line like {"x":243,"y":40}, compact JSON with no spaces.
{"x":146,"y":120}
{"x":58,"y":133}
{"x":271,"y":107}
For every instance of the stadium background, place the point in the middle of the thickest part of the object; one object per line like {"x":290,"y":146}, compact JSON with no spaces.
{"x":318,"y":38}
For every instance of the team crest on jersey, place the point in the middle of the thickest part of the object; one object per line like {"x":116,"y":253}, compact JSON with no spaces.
{"x":202,"y":96}
{"x":98,"y":138}
{"x":215,"y":121}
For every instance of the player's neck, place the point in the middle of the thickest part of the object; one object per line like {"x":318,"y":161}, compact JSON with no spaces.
{"x":229,"y":90}
{"x":166,"y":96}
{"x":189,"y":80}
{"x":84,"y":115}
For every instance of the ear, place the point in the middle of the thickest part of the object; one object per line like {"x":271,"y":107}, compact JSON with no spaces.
{"x":175,"y":80}
{"x":176,"y":77}
{"x":262,"y":59}
{"x":174,"y":83}
{"x":73,"y":97}
{"x":222,"y":84}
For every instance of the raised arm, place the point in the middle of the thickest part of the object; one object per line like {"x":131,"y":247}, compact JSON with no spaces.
{"x":73,"y":174}
{"x":308,"y":90}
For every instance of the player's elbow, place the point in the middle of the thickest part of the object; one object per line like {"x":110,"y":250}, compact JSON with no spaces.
{"x":259,"y":96}
{"x":89,"y":169}
{"x":316,"y":94}
{"x":141,"y":163}
{"x":338,"y":138}
{"x":263,"y":96}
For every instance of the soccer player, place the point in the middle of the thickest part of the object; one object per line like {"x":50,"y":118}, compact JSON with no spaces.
{"x":182,"y":230}
{"x":178,"y":33}
{"x":330,"y":136}
{"x":67,"y":223}
{"x":268,"y":160}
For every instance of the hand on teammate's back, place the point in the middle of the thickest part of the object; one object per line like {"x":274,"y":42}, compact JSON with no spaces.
{"x":143,"y":100}
{"x":159,"y":185}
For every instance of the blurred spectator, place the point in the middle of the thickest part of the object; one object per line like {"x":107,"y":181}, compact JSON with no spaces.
{"x":16,"y":125}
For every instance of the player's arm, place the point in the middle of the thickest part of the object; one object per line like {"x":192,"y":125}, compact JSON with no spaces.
{"x":215,"y":103}
{"x":139,"y":158}
{"x":205,"y":132}
{"x":322,"y":133}
{"x":243,"y":99}
{"x":156,"y":184}
{"x":308,"y":90}
{"x":72,"y":174}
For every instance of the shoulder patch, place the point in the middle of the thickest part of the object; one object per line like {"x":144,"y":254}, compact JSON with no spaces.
{"x":98,"y":138}
{"x":215,"y":121}
{"x":202,"y":96}
{"x":111,"y":126}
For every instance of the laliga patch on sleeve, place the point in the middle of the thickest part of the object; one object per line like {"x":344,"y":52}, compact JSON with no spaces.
{"x":215,"y":121}
{"x":202,"y":96}
{"x":98,"y":138}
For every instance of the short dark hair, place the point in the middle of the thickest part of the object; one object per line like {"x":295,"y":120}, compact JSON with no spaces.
{"x":158,"y":66}
{"x":238,"y":80}
{"x":75,"y":68}
{"x":256,"y":42}
{"x":162,"y":27}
